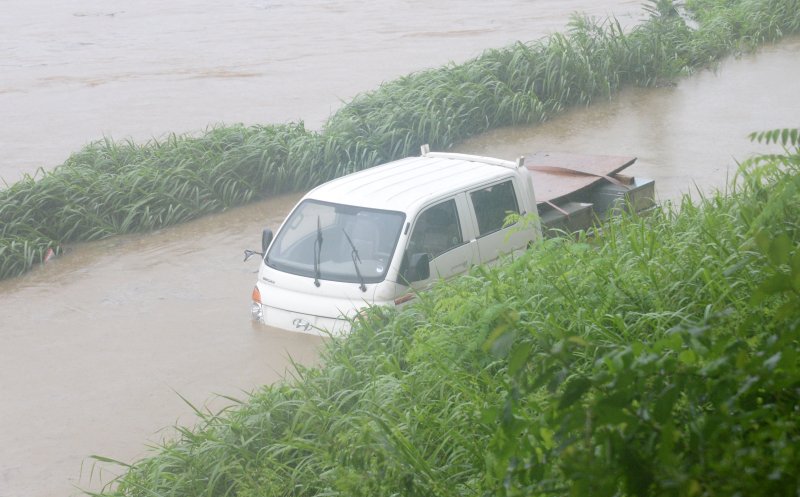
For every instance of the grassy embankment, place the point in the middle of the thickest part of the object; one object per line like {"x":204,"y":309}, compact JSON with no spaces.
{"x":120,"y":187}
{"x":659,"y":358}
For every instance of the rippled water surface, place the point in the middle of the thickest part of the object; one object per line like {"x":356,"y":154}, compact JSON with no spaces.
{"x":96,"y":346}
{"x":73,"y":71}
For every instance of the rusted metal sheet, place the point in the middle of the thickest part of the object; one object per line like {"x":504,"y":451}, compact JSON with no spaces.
{"x":556,"y":174}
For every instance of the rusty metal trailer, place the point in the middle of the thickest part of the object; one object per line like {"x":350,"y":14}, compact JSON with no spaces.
{"x":576,"y":191}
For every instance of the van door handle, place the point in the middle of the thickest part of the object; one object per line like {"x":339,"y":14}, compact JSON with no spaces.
{"x":461,"y":265}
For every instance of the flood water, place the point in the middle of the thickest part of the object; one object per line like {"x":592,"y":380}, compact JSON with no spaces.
{"x":688,"y":137}
{"x":75,"y":70}
{"x":96,"y":346}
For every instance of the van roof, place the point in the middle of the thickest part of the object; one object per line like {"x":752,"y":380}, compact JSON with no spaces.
{"x":407,"y":183}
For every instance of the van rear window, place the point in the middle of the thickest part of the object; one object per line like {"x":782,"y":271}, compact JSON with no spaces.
{"x":492,"y":205}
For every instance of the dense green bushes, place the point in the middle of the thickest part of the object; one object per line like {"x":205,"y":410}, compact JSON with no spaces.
{"x":674,"y":369}
{"x":111,"y":187}
{"x":658,"y":358}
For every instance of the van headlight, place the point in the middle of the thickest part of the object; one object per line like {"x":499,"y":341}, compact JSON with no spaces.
{"x":256,"y":309}
{"x":256,"y":312}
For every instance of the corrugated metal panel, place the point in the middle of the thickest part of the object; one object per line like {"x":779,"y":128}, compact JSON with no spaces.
{"x":556,"y":175}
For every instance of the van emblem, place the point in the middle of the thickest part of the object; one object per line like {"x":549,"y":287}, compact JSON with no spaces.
{"x":301,"y":324}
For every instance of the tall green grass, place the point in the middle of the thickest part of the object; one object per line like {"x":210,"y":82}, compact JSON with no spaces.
{"x":672,"y":366}
{"x":659,"y":358}
{"x":121,"y":187}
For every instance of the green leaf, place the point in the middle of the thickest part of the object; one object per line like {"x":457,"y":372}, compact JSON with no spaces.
{"x":607,"y":414}
{"x":777,"y":283}
{"x":618,"y":399}
{"x":574,"y":390}
{"x":795,"y":264}
{"x":490,"y":415}
{"x":546,"y":436}
{"x":779,"y":249}
{"x":762,"y":240}
{"x":580,"y":341}
{"x":666,"y":455}
{"x":662,"y":411}
{"x":788,"y":309}
{"x":519,"y":357}
{"x":795,"y":272}
{"x":672,"y":341}
{"x":687,"y":357}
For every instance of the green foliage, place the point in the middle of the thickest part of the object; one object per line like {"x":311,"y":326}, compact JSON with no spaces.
{"x":121,"y":187}
{"x":658,"y":358}
{"x":685,"y":381}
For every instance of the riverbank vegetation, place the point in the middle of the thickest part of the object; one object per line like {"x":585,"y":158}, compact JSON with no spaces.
{"x":121,"y":187}
{"x":658,"y":358}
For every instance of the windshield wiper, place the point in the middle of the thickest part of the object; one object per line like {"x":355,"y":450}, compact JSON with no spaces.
{"x":317,"y":253}
{"x":355,"y":257}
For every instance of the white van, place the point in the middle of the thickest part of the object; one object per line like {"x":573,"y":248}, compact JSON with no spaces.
{"x":376,"y":236}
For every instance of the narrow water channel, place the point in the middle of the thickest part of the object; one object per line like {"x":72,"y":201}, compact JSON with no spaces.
{"x":96,"y":346}
{"x":688,"y":137}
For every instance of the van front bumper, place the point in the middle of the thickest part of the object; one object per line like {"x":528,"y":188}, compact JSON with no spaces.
{"x":299,"y":322}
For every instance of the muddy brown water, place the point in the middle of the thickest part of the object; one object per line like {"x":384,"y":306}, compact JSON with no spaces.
{"x":73,"y":71}
{"x":96,"y":346}
{"x":688,"y":137}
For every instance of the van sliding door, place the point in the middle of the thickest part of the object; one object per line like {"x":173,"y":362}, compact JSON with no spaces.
{"x":490,"y":206}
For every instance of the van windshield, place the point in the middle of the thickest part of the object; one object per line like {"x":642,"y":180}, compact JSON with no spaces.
{"x":314,"y":242}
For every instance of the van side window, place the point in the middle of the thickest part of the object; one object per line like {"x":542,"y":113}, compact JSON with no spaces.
{"x":492,"y":204}
{"x":437,"y":230}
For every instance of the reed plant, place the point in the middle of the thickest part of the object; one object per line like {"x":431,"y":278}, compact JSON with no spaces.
{"x":657,"y":358}
{"x":112,"y":187}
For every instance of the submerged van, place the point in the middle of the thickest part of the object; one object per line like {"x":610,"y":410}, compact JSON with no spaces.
{"x":375,"y":236}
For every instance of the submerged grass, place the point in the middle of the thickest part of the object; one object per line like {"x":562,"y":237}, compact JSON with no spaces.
{"x":121,"y":187}
{"x":659,"y":358}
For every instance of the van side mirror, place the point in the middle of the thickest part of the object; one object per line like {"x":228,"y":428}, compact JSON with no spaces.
{"x":266,"y":239}
{"x":418,"y":268}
